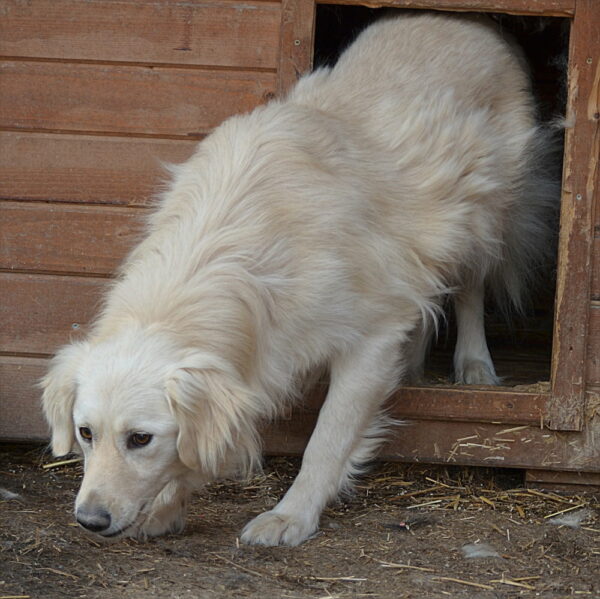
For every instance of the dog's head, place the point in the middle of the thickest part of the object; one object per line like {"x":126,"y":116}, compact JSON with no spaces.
{"x":151,"y":420}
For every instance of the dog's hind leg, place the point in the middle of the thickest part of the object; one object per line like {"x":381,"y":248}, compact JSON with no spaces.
{"x":416,"y":350}
{"x":472,"y":361}
{"x":361,"y":379}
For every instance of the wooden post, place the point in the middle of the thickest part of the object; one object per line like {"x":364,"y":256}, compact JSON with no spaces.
{"x":580,"y":191}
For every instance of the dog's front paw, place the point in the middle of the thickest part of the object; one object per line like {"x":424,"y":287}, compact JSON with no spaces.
{"x":167,"y":513}
{"x":476,"y":372}
{"x":162,"y":523}
{"x":272,"y":528}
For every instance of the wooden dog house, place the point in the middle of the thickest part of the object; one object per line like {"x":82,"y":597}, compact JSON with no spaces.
{"x":95,"y":95}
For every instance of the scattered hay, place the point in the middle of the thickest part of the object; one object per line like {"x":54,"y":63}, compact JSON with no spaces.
{"x":405,"y":527}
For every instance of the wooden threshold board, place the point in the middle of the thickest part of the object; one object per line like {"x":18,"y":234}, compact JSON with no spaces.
{"x":472,"y":404}
{"x":500,"y":405}
{"x":572,"y":482}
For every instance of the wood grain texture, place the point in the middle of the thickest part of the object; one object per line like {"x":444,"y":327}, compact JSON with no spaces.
{"x":67,"y":239}
{"x":595,"y":291}
{"x":297,"y":41}
{"x":40,"y":313}
{"x":593,"y":347}
{"x":22,"y":418}
{"x":464,"y":404}
{"x":580,"y":194}
{"x":496,"y":445}
{"x":469,"y":405}
{"x":125,"y":99}
{"x":565,"y":481}
{"x":84,"y":168}
{"x":554,"y":8}
{"x":224,"y":34}
{"x":462,"y":443}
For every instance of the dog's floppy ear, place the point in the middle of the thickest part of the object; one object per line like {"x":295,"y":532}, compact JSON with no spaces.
{"x":217,"y":418}
{"x":59,"y":395}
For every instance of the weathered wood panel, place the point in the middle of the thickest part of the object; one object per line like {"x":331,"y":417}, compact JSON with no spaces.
{"x":39,"y":313}
{"x":571,"y":482}
{"x":556,"y":8}
{"x":82,"y":168}
{"x":224,"y":34}
{"x":67,"y":239}
{"x":465,"y":404}
{"x":19,"y":399}
{"x":580,"y":193}
{"x":125,"y":99}
{"x":297,"y":41}
{"x":495,"y":445}
{"x":462,"y":443}
{"x":596,"y":268}
{"x":469,"y":405}
{"x":593,"y":350}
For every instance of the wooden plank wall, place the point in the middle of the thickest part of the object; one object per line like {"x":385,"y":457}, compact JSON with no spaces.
{"x":94,"y":97}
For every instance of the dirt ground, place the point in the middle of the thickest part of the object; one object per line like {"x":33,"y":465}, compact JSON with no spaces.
{"x":406,"y":532}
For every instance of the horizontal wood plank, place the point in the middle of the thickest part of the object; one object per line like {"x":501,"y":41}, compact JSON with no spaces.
{"x":39,"y":313}
{"x":225,"y":34}
{"x":22,"y":418}
{"x":551,"y":8}
{"x":551,"y":480}
{"x":69,"y":239}
{"x":82,"y":168}
{"x":469,"y":405}
{"x":465,"y":404}
{"x":462,"y":443}
{"x":125,"y":99}
{"x":495,"y":445}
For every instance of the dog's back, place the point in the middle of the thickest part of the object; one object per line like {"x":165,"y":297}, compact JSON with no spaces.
{"x":445,"y":109}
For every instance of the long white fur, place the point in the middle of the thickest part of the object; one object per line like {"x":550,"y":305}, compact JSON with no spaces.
{"x":321,"y":230}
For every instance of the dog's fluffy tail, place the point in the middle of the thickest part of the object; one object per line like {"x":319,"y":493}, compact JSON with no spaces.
{"x":529,"y":243}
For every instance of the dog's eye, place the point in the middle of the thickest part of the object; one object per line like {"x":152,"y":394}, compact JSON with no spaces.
{"x":139,"y":439}
{"x":86,"y":433}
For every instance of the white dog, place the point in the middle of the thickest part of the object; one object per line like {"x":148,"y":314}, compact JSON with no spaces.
{"x":322,"y":230}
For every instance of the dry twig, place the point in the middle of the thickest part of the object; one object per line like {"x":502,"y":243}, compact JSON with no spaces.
{"x":487,"y":587}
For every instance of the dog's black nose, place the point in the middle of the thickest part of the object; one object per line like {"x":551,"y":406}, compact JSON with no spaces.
{"x":95,"y":520}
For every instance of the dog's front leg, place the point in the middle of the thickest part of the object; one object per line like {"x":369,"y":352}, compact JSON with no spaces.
{"x":345,"y":435}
